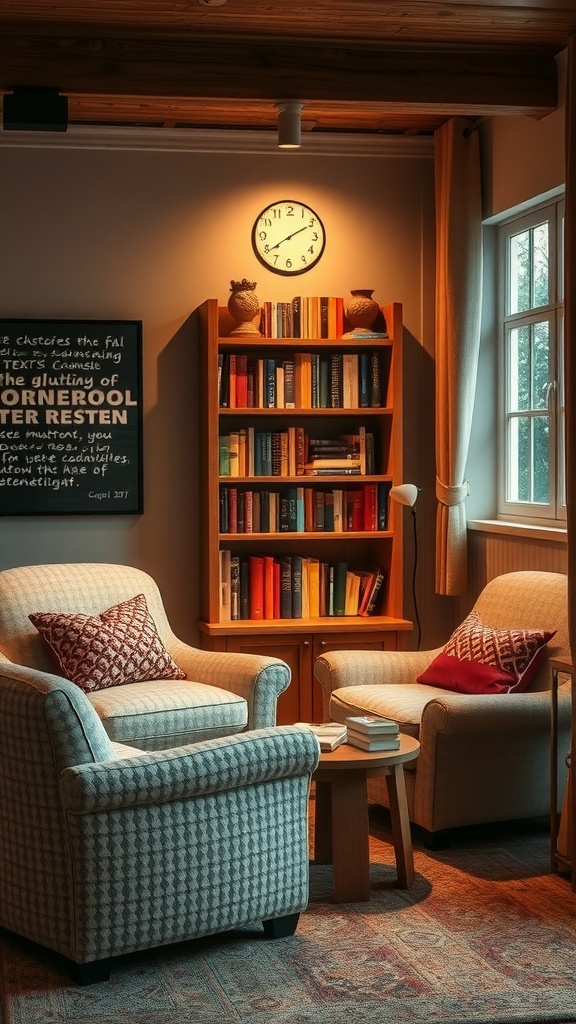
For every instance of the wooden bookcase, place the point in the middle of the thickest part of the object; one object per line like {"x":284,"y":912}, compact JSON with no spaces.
{"x":300,"y":641}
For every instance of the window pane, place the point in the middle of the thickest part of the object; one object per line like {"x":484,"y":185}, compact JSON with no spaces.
{"x":540,"y":271}
{"x":519,"y":272}
{"x":519,"y":369}
{"x":519,"y":459}
{"x":532,"y":414}
{"x":540,"y":363}
{"x":541,"y":460}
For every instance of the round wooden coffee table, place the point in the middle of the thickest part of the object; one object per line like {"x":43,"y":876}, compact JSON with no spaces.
{"x":341,"y":817}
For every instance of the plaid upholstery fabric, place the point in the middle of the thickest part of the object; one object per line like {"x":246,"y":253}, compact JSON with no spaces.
{"x":44,"y":726}
{"x":483,"y":757}
{"x":104,"y":855}
{"x":154,"y":715}
{"x":91,"y":588}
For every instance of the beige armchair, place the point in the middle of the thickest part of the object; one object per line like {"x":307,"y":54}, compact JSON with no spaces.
{"x":483,"y":757}
{"x":220,"y":694}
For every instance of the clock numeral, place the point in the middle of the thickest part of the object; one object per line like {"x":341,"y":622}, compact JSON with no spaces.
{"x":262,"y":235}
{"x":266,"y":222}
{"x":311,"y":250}
{"x":288,"y":263}
{"x":304,"y":260}
{"x":315,"y":236}
{"x":289,"y":211}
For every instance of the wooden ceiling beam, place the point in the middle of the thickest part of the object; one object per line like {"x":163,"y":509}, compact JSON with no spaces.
{"x":461,"y":79}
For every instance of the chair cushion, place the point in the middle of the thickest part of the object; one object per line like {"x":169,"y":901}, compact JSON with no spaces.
{"x":119,"y":646}
{"x":155,"y":715}
{"x":479,"y":659}
{"x":403,"y":702}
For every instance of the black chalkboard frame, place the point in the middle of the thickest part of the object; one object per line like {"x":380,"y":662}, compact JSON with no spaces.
{"x":121,"y":493}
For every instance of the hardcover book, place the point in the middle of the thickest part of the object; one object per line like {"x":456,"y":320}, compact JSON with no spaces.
{"x":382,"y":743}
{"x":330,"y":734}
{"x":373,"y":725}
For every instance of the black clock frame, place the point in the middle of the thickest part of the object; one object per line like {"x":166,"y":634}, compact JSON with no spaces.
{"x":277,"y":270}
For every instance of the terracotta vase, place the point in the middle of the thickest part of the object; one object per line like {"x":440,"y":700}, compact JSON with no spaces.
{"x":243,"y":306}
{"x":361,"y":312}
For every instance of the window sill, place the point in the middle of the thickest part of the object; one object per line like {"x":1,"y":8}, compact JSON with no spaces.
{"x":554,"y":534}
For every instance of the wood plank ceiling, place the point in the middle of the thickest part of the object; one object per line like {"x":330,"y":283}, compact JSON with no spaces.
{"x":373,"y":66}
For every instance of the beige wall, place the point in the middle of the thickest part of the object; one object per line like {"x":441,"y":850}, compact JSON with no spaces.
{"x":523,"y":157}
{"x":116,"y":233}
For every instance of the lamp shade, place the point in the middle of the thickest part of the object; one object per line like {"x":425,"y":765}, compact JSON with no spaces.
{"x":289,"y":125}
{"x":404,"y":494}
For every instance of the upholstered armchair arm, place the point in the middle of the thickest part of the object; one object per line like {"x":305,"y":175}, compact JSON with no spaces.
{"x":11,"y":670}
{"x":507,"y":734}
{"x":458,"y":714}
{"x":259,"y":679}
{"x":365,"y":668}
{"x":212,"y":766}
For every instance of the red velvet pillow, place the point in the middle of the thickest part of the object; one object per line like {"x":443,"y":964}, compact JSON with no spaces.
{"x":121,"y":645}
{"x":478,"y":659}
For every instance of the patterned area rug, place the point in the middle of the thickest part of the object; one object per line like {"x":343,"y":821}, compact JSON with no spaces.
{"x":486,"y":936}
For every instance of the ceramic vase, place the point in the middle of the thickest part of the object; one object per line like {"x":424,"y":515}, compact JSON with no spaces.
{"x":243,"y":306}
{"x":361,"y":313}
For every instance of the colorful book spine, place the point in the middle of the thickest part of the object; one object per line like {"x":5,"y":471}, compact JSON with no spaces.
{"x":296,"y":586}
{"x":256,"y":587}
{"x":340,"y":571}
{"x":285,"y":587}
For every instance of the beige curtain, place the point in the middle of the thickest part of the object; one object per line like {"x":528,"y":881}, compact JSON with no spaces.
{"x":570,"y":331}
{"x":458,"y":308}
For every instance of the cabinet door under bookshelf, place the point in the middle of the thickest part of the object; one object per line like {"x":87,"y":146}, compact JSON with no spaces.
{"x":300,"y":441}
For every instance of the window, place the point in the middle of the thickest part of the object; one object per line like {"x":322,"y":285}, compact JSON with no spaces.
{"x":532,"y":483}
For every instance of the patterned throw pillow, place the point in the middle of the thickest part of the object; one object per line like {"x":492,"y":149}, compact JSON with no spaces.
{"x":121,"y":645}
{"x":478,"y":659}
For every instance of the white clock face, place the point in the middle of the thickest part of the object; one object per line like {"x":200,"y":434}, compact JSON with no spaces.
{"x":288,"y":237}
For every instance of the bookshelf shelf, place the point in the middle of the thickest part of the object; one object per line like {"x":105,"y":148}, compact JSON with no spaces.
{"x":292,"y":413}
{"x":326,"y":624}
{"x":316,"y":535}
{"x":326,"y":424}
{"x":262,"y":343}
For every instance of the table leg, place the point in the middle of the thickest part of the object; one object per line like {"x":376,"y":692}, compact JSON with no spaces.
{"x":400,"y":821}
{"x":350,"y":840}
{"x":323,"y":823}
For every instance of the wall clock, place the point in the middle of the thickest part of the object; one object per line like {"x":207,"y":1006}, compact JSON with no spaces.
{"x":288,"y":237}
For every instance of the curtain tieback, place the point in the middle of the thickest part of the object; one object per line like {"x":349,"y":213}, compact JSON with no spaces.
{"x":451,"y":495}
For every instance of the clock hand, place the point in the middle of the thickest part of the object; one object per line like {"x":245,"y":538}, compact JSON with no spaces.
{"x":288,"y":237}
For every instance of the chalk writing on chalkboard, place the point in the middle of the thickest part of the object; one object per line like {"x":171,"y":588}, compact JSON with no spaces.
{"x":70,"y":416}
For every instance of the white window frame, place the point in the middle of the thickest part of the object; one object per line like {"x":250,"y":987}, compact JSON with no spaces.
{"x":553,"y":512}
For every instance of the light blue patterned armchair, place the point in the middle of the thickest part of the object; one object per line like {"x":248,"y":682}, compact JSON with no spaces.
{"x":105,"y":849}
{"x":223,"y":692}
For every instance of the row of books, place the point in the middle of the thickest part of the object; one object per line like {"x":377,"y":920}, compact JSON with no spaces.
{"x":307,"y":380}
{"x":294,"y":587}
{"x":305,"y":509}
{"x":305,"y":316}
{"x":248,"y":452}
{"x":372,"y":732}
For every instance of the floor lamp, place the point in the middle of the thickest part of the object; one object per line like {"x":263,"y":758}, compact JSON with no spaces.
{"x":406,"y":494}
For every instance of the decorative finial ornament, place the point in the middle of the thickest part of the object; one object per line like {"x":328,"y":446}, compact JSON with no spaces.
{"x":361,"y":313}
{"x":244,"y":306}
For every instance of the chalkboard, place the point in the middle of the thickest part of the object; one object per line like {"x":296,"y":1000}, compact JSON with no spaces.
{"x":70,"y":417}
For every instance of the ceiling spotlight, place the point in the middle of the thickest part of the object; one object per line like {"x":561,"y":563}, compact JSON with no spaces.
{"x":289,"y":125}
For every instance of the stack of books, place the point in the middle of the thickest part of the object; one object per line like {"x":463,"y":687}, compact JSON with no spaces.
{"x":330,"y":734}
{"x":369,"y":732}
